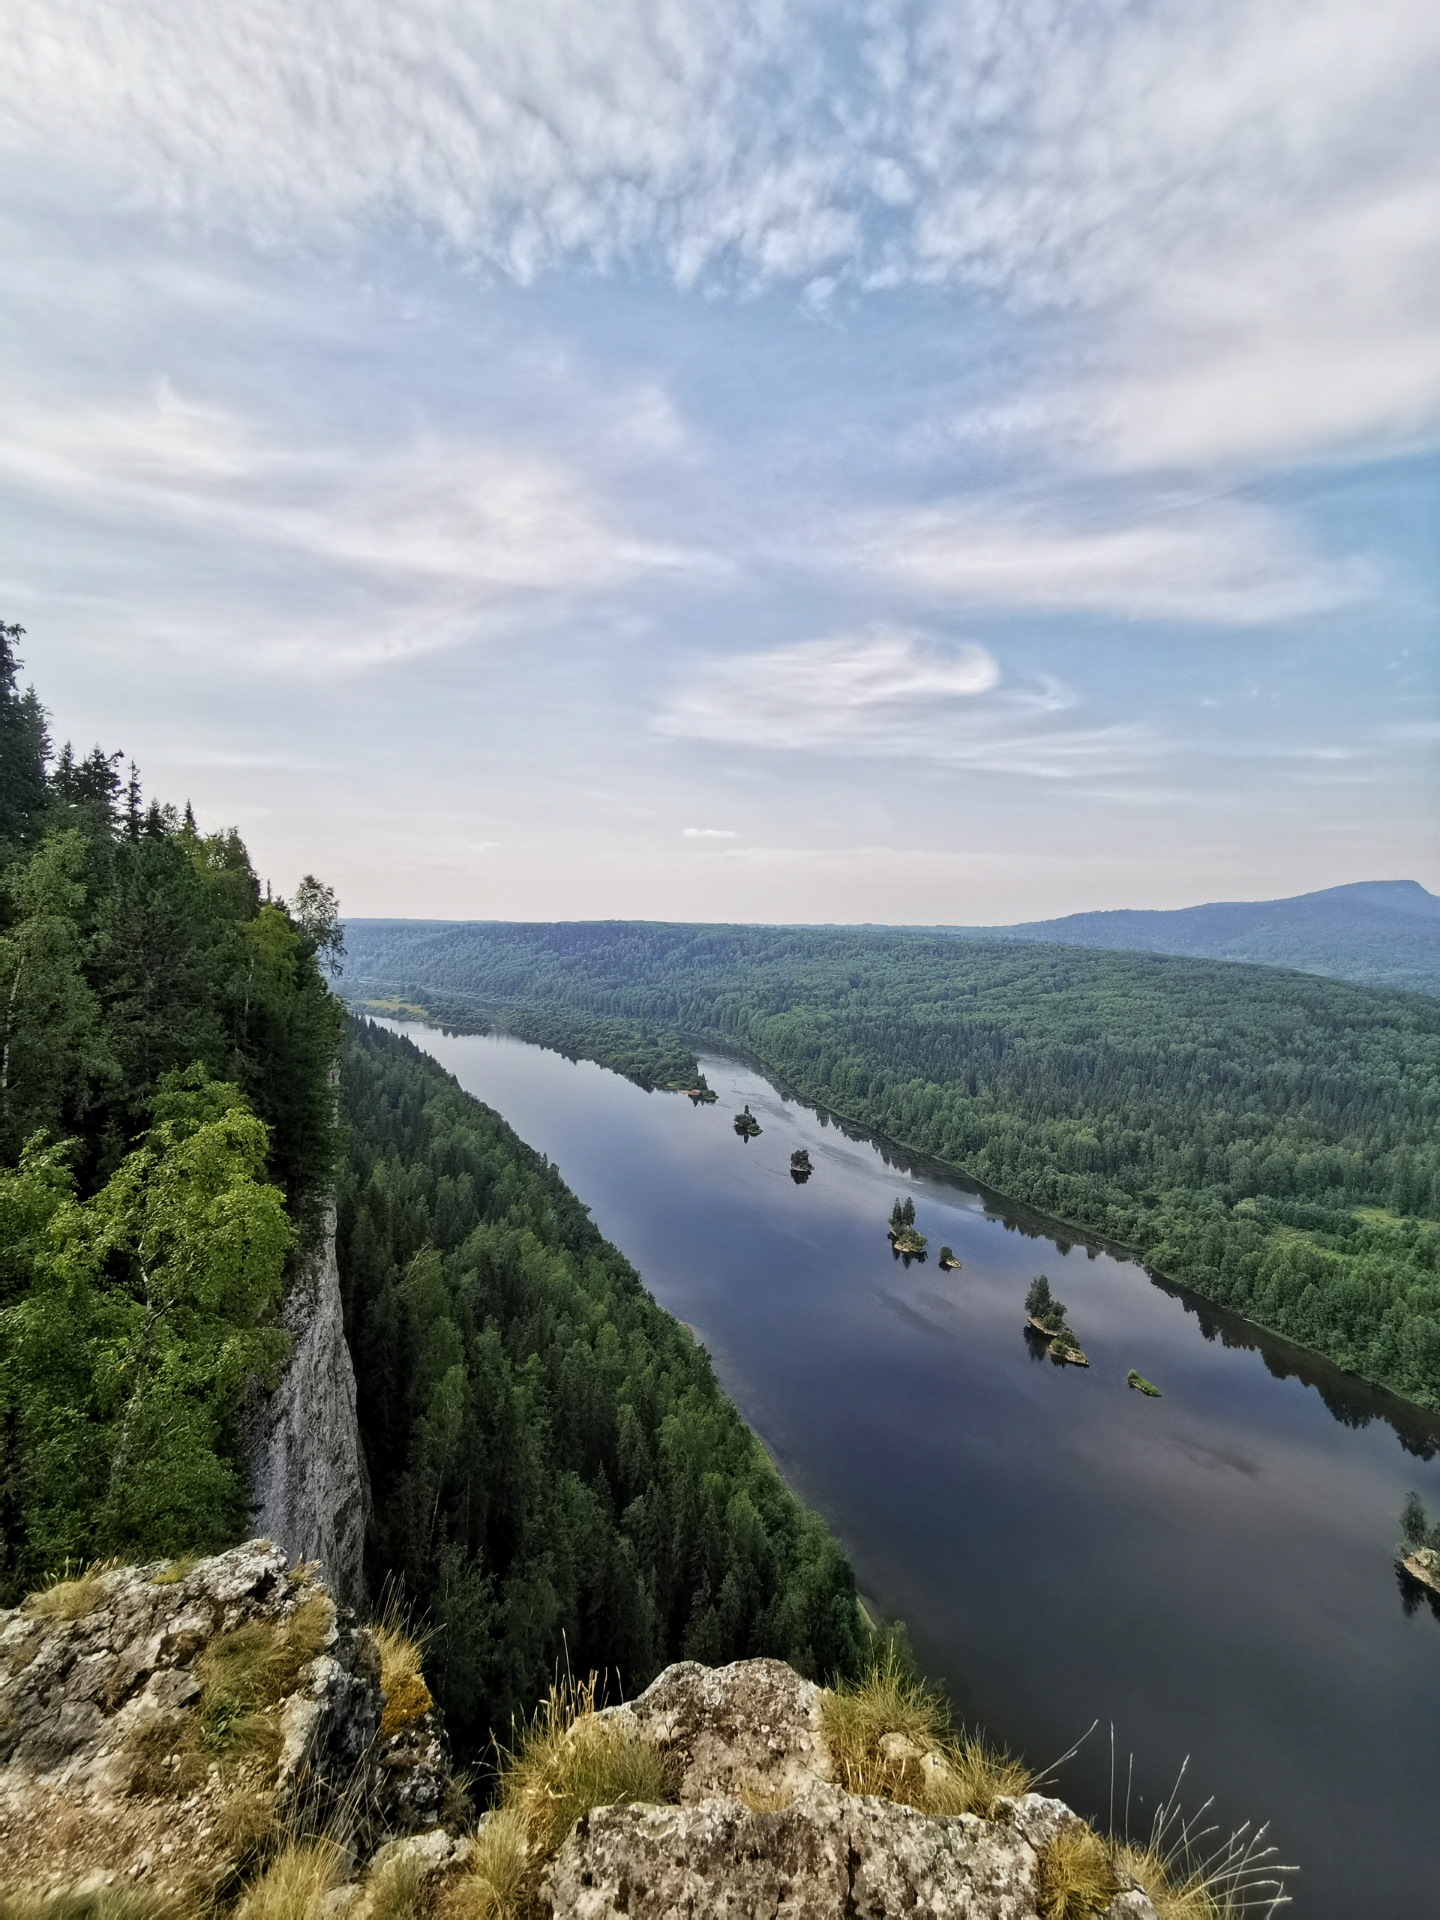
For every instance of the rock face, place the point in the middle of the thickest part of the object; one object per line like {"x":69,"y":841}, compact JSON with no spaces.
{"x":300,"y":1445}
{"x":761,"y":1827}
{"x":154,"y":1719}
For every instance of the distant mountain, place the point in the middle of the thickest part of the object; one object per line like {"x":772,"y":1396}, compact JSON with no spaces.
{"x":1383,"y":933}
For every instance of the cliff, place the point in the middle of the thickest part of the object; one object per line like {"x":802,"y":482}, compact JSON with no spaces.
{"x":300,"y":1445}
{"x":200,"y":1738}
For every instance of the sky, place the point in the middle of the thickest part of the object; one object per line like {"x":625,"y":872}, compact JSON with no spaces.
{"x":960,"y":462}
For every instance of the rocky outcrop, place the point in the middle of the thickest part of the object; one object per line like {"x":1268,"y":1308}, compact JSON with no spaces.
{"x":156,"y":1722}
{"x":762,"y":1828}
{"x":300,"y":1445}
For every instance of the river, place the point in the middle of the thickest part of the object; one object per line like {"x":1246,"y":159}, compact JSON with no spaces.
{"x":1210,"y":1572}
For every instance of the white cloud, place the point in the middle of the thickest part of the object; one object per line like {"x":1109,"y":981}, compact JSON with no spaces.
{"x":1239,"y":200}
{"x":889,"y":694}
{"x":437,"y":536}
{"x":709,"y":833}
{"x":1212,"y":561}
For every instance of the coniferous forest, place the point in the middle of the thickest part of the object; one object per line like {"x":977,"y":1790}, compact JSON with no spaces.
{"x":555,"y":1471}
{"x":1270,"y":1139}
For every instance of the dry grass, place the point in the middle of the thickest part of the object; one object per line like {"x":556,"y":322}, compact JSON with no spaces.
{"x":1190,"y":1899}
{"x":243,"y":1675}
{"x":245,"y":1672}
{"x":1075,"y":1875}
{"x":176,"y":1571}
{"x":70,"y":1596}
{"x":890,"y":1735}
{"x":1190,"y":1873}
{"x":764,"y":1797}
{"x":570,"y":1759}
{"x":498,"y":1875}
{"x":106,"y":1903}
{"x":402,"y":1678}
{"x":294,"y":1885}
{"x":396,"y":1892}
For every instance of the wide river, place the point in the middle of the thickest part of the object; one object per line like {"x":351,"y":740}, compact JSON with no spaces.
{"x":1211,"y":1572}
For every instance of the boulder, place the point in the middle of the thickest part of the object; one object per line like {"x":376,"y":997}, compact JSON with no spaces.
{"x":760,"y":1827}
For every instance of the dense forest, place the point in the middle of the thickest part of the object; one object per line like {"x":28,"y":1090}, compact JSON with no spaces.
{"x":1270,"y":1139}
{"x":555,"y":1471}
{"x":167,"y":1137}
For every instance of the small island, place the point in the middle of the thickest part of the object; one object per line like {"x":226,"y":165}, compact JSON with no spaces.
{"x":800,"y":1167}
{"x":1419,"y":1553}
{"x":948,"y":1262}
{"x":1045,"y":1316}
{"x":904,"y":1240}
{"x":1142,"y":1385}
{"x":746,"y":1125}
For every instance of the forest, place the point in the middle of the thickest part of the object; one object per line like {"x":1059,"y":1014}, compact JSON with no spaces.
{"x":555,"y":1472}
{"x":167,"y":1141}
{"x":1269,"y":1139}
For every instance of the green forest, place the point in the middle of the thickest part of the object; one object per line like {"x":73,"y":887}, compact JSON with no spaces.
{"x":167,"y":1140}
{"x":1269,"y":1139}
{"x":555,"y":1471}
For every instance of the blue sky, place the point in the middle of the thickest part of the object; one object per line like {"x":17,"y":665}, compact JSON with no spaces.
{"x":878,"y":462}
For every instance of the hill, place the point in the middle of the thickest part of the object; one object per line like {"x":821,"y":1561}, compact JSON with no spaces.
{"x":1382,"y":933}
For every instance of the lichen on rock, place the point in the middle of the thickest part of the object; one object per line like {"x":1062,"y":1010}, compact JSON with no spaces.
{"x":158,"y":1723}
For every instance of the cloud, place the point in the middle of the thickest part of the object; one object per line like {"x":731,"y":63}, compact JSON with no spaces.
{"x":709,"y":833}
{"x":1237,"y":205}
{"x":435,"y":536}
{"x":890,"y":694}
{"x":1214,"y":561}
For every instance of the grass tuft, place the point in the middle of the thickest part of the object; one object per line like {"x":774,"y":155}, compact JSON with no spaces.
{"x":570,"y":1759}
{"x":243,"y":1674}
{"x":1075,"y":1875}
{"x":402,"y":1678}
{"x":176,"y":1571}
{"x":246,"y":1671}
{"x":102,"y":1903}
{"x":498,"y":1874}
{"x":296,"y":1882}
{"x":1190,"y":1873}
{"x":890,"y":1735}
{"x":396,"y":1892}
{"x":70,"y":1596}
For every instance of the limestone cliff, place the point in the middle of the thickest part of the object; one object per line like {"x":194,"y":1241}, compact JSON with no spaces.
{"x":300,"y":1445}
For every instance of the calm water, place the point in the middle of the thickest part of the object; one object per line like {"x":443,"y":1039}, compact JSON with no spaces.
{"x":1212,"y":1571}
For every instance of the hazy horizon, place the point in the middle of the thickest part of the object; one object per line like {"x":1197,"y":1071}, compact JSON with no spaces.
{"x":910,"y":465}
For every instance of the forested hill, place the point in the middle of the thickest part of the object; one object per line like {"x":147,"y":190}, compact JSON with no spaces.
{"x":167,"y":1142}
{"x":1271,"y":1139}
{"x":1381,"y":933}
{"x":556,"y":1474}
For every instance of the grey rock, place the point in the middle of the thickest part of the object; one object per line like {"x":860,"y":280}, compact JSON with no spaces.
{"x":754,"y":1724}
{"x":80,"y":1698}
{"x":300,"y":1445}
{"x":761,"y":1828}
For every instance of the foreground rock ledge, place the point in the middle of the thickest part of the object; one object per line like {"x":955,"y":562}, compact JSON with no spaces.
{"x":762,"y":1829}
{"x":81,"y":1696}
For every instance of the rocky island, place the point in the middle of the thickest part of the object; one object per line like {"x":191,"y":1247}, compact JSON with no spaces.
{"x":746,"y":1125}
